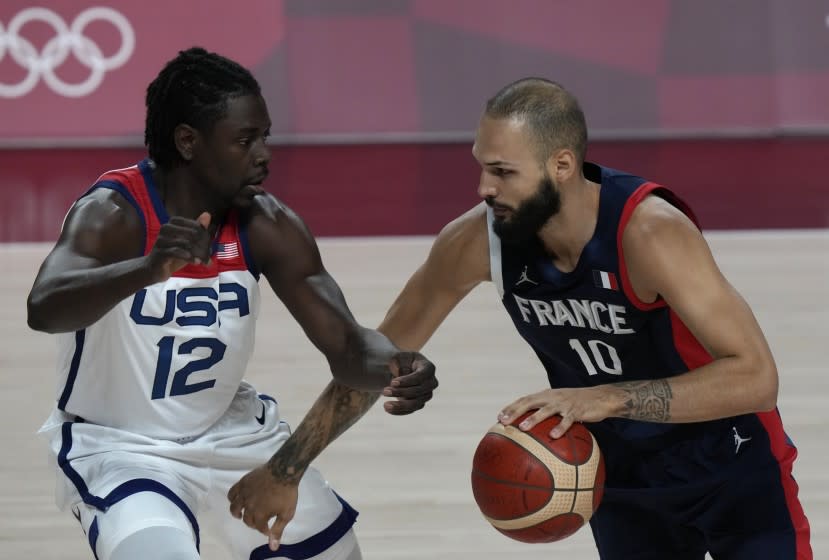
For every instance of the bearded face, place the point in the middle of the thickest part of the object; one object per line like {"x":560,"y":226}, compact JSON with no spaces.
{"x":527,"y":219}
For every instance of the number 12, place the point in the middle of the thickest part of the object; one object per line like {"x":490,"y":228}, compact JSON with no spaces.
{"x":165,"y":360}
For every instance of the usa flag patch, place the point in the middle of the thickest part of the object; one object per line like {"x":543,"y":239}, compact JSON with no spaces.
{"x":227,"y":250}
{"x":606,"y":280}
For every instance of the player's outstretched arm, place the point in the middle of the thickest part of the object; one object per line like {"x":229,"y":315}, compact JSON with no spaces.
{"x":272,"y":489}
{"x":288,"y":256}
{"x":98,"y":261}
{"x":667,"y":256}
{"x":457,"y":262}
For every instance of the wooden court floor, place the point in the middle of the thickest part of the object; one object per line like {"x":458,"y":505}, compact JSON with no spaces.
{"x":409,"y":476}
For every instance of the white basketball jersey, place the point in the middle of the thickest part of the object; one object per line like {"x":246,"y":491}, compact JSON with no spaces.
{"x":167,"y":361}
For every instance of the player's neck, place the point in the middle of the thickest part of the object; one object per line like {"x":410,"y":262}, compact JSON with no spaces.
{"x":567,"y":233}
{"x":182,"y":195}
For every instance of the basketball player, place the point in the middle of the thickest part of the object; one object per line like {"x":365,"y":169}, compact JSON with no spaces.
{"x":153,"y":288}
{"x":608,"y":278}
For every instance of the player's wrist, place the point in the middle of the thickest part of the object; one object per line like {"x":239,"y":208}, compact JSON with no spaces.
{"x":614,"y":401}
{"x":285,"y":472}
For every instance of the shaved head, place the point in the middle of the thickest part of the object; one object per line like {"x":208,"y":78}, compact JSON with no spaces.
{"x":552,"y":114}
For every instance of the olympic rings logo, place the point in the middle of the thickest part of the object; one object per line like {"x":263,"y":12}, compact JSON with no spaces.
{"x":68,"y":39}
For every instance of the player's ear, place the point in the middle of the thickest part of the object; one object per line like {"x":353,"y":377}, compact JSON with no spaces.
{"x":562,"y":165}
{"x":184,"y":137}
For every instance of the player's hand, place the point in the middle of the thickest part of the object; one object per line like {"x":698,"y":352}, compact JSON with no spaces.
{"x":259,"y":497}
{"x":412,"y":384}
{"x":588,"y":404}
{"x":180,"y":242}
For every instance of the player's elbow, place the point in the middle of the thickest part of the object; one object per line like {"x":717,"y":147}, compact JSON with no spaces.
{"x":36,"y":317}
{"x":41,"y":315}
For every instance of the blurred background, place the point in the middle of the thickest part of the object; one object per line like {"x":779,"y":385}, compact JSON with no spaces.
{"x":374,"y":102}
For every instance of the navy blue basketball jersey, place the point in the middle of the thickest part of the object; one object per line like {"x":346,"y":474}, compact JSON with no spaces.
{"x":589,"y":328}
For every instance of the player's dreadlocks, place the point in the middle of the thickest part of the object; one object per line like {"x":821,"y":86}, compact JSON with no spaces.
{"x":193,"y":88}
{"x":552,"y":113}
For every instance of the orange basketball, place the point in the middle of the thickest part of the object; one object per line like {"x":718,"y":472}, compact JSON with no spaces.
{"x":533,"y":488}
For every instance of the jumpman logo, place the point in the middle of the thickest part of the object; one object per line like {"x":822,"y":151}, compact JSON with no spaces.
{"x":738,"y":441}
{"x":525,"y":278}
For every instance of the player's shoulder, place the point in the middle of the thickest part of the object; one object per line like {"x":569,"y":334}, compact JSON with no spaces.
{"x":103,"y":224}
{"x":104,"y":210}
{"x":267,"y":206}
{"x":276,"y":234}
{"x":462,"y":246}
{"x":267,"y":215}
{"x":656,"y":220}
{"x":468,"y":228}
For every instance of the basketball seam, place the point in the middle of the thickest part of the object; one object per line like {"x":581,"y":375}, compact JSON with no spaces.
{"x":547,"y":452}
{"x":542,"y":453}
{"x":514,"y":483}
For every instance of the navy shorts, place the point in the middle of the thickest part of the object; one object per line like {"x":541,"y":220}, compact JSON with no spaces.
{"x":722,"y":487}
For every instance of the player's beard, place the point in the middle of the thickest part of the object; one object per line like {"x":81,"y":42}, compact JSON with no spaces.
{"x":530,"y":216}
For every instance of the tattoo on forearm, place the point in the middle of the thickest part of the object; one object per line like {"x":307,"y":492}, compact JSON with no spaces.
{"x":647,"y":400}
{"x":336,"y":410}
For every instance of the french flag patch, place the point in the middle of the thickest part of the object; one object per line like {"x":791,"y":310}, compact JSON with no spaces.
{"x":606,"y":280}
{"x":227,"y":250}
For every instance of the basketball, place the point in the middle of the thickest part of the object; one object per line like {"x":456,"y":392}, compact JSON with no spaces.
{"x":533,"y":488}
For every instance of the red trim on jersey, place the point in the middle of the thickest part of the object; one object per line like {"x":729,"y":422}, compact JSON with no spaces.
{"x":785,"y":453}
{"x":228,"y":233}
{"x":638,"y":195}
{"x":689,"y":348}
{"x":635,"y":198}
{"x":694,"y":356}
{"x":132,"y":179}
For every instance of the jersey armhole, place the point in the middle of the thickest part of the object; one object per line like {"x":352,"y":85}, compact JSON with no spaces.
{"x":638,"y":196}
{"x":121,"y":189}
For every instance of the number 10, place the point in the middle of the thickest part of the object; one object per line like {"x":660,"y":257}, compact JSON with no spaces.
{"x":615,"y":368}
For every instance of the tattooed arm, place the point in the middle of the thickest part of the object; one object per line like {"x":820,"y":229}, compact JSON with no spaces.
{"x":639,"y":400}
{"x":272,"y":489}
{"x":337,"y":408}
{"x":668,"y":259}
{"x":647,"y":400}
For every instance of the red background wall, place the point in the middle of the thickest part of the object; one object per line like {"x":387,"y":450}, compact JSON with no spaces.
{"x":413,"y":189}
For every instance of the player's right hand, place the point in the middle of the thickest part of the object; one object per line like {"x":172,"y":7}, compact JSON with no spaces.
{"x":180,"y":242}
{"x":264,"y":502}
{"x":412,"y":385}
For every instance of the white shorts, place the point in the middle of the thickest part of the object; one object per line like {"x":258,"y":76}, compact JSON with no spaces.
{"x":99,"y":467}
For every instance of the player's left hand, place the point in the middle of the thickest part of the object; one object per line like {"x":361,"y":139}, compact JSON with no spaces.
{"x":412,"y":384}
{"x":258,"y":497}
{"x":587,"y":404}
